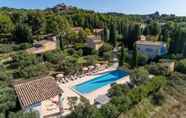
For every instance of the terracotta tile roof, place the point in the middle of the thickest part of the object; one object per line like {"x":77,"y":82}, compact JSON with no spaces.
{"x":34,"y":91}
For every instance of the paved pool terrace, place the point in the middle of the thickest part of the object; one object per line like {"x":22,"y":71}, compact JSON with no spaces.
{"x":99,"y":82}
{"x":70,"y":92}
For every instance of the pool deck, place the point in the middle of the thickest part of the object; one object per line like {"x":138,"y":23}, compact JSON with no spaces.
{"x":102,"y":91}
{"x":68,"y":92}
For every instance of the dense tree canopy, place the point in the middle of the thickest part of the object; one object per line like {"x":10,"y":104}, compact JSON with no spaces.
{"x":36,"y":21}
{"x":6,"y":25}
{"x":19,"y":29}
{"x":57,"y":24}
{"x":7,"y":98}
{"x":24,"y":59}
{"x":181,"y":66}
{"x":22,"y":33}
{"x":154,"y":28}
{"x":86,"y":111}
{"x":139,"y":76}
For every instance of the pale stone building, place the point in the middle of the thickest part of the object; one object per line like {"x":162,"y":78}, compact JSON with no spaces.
{"x":94,"y":42}
{"x":151,"y":49}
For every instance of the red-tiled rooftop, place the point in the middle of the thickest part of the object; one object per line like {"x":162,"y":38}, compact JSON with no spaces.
{"x":34,"y":91}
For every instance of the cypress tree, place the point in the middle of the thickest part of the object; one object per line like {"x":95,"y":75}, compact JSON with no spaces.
{"x":134,"y":57}
{"x":184,"y":50}
{"x":61,"y":42}
{"x":113,"y":35}
{"x":106,"y":34}
{"x":121,"y":57}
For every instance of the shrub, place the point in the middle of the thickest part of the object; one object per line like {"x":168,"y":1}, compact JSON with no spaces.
{"x":69,"y":65}
{"x":118,"y":90}
{"x":142,"y":59}
{"x":91,"y":59}
{"x":105,"y":48}
{"x":158,"y":69}
{"x":139,"y":76}
{"x":4,"y":76}
{"x":122,"y":103}
{"x":127,"y":99}
{"x":32,"y":71}
{"x":157,"y":98}
{"x":109,"y":111}
{"x":53,"y":57}
{"x":5,"y":48}
{"x":24,"y":59}
{"x":23,"y":115}
{"x":181,"y":66}
{"x":137,"y":94}
{"x":108,"y":56}
{"x":7,"y":97}
{"x":24,"y":46}
{"x":85,"y":111}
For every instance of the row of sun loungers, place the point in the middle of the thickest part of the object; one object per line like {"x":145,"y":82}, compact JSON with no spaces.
{"x":88,"y":72}
{"x":68,"y":79}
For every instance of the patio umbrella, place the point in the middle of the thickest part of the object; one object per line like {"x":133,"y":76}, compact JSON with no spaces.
{"x":115,"y":59}
{"x":59,"y":75}
{"x":85,"y":69}
{"x":55,"y":99}
{"x":91,"y":67}
{"x":98,"y":65}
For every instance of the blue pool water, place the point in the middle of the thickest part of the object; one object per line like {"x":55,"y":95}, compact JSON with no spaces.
{"x":98,"y":82}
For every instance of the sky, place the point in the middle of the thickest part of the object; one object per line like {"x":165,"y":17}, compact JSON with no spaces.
{"x":177,"y":7}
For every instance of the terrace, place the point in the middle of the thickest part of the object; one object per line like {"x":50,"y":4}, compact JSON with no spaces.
{"x":89,"y":74}
{"x":45,"y":45}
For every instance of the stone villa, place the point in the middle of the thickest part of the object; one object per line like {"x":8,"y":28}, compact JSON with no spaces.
{"x":151,"y":49}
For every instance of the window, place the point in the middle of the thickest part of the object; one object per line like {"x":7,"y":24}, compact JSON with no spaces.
{"x":149,"y":50}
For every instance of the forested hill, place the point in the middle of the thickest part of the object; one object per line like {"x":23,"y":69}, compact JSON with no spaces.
{"x":20,"y":29}
{"x":42,"y":21}
{"x":62,"y":9}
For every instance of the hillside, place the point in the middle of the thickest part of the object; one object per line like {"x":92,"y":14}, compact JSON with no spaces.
{"x":76,"y":43}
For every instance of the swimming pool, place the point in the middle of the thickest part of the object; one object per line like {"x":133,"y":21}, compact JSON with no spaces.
{"x":98,"y":82}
